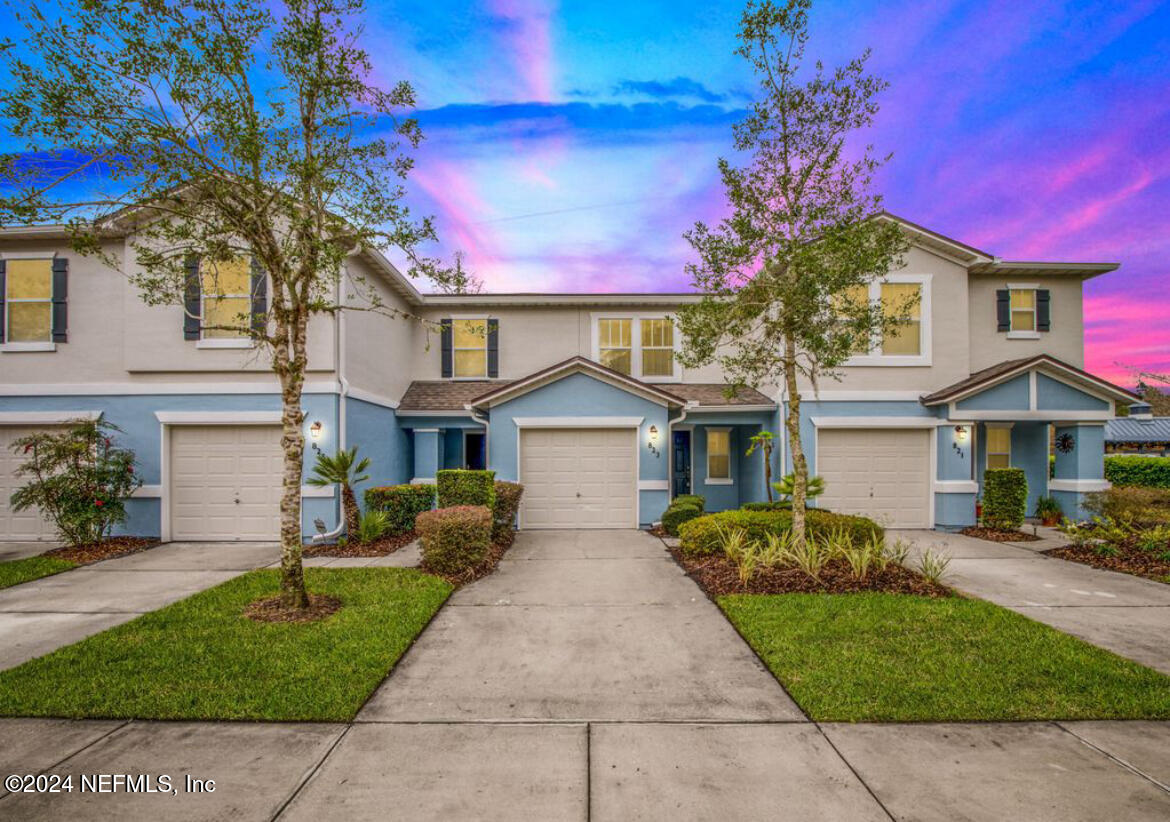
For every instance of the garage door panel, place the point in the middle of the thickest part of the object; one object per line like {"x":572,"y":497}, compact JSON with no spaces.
{"x":22,"y":526}
{"x":883,"y":474}
{"x":578,"y":478}
{"x":225,"y":482}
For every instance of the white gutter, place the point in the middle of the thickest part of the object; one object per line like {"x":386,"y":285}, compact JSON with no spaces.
{"x":486,"y":439}
{"x":342,"y":392}
{"x":670,"y":424}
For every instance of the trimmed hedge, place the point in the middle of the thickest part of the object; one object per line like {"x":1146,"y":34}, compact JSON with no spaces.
{"x":401,"y":504}
{"x":454,"y":539}
{"x":1134,"y":470}
{"x":461,"y":487}
{"x":693,"y":499}
{"x":504,"y":511}
{"x":701,"y":536}
{"x":1005,"y":498}
{"x":677,"y":514}
{"x":778,"y":505}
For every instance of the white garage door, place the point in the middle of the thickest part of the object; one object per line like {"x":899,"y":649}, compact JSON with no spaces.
{"x":578,"y":478}
{"x":225,"y":482}
{"x":25,"y":526}
{"x":883,"y":474}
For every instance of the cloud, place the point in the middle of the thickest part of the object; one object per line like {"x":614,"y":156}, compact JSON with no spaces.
{"x":679,"y":87}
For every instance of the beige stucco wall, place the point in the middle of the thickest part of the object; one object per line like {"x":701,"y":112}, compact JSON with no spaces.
{"x":1066,"y":340}
{"x":114,"y":337}
{"x":379,"y":348}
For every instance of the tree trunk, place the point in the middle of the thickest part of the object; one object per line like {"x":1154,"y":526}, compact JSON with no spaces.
{"x":291,"y":370}
{"x":768,"y":471}
{"x":350,"y":507}
{"x":799,"y":464}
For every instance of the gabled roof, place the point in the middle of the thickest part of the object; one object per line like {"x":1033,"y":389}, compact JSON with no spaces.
{"x":711,"y":395}
{"x":576,"y":365}
{"x":444,"y":395}
{"x":1007,"y":369}
{"x":1128,"y":429}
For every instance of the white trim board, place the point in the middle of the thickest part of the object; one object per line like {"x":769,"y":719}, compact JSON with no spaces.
{"x":45,"y":417}
{"x":878,"y":422}
{"x":653,"y":485}
{"x":578,"y":422}
{"x":1081,"y":486}
{"x":371,"y":397}
{"x":956,"y":487}
{"x":73,"y":389}
{"x":866,"y":396}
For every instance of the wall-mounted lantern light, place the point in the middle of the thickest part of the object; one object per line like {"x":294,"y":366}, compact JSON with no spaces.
{"x":653,"y":432}
{"x":315,"y":433}
{"x":961,"y":433}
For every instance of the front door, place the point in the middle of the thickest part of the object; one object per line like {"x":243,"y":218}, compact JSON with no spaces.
{"x":681,"y":472}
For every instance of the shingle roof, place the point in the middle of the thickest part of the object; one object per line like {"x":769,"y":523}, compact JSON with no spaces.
{"x":1127,"y":429}
{"x":445,"y":395}
{"x":986,"y":375}
{"x":711,"y":394}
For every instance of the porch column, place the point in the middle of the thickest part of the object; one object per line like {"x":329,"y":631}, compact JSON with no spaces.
{"x":428,"y":454}
{"x":1080,"y":466}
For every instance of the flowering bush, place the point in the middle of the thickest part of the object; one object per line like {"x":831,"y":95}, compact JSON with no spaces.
{"x":78,"y":479}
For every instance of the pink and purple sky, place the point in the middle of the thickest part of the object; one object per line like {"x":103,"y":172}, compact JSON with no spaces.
{"x":570,"y":145}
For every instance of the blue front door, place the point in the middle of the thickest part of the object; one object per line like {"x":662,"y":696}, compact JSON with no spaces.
{"x":681,"y":457}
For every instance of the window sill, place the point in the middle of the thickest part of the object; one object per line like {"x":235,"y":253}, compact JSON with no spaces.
{"x":225,"y":343}
{"x":710,"y":481}
{"x":891,"y":361}
{"x":27,"y":347}
{"x":1023,"y":335}
{"x":469,"y":379}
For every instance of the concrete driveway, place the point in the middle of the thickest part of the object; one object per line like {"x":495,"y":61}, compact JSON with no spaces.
{"x":1120,"y":612}
{"x":40,"y":616}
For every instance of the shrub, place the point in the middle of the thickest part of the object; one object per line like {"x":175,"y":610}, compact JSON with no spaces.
{"x":504,"y":511}
{"x":779,"y":505}
{"x":1145,"y":506}
{"x":677,"y":514}
{"x":701,"y":536}
{"x":787,"y":484}
{"x":401,"y":504}
{"x":694,"y":499}
{"x":454,"y":539}
{"x":1005,"y":498}
{"x":346,"y":470}
{"x":372,"y":525}
{"x":459,"y":487}
{"x":1048,"y":509}
{"x":1146,"y":472}
{"x":78,"y":479}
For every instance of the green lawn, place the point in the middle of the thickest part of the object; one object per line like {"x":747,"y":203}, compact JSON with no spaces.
{"x":17,"y":571}
{"x":889,"y":657}
{"x":201,"y":659}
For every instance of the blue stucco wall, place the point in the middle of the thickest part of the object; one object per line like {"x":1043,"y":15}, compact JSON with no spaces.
{"x":1086,"y":460}
{"x":1052,"y":394}
{"x":1012,"y":395}
{"x":376,"y":432}
{"x":142,"y":433}
{"x":954,"y":457}
{"x":954,"y":511}
{"x":579,"y":395}
{"x":1029,"y":451}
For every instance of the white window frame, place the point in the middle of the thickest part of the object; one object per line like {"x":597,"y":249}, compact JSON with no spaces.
{"x":988,"y":452}
{"x":482,"y":319}
{"x":1024,"y":334}
{"x":707,"y":478}
{"x":243,"y":340}
{"x":635,"y":318}
{"x":47,"y":343}
{"x":875,"y":357}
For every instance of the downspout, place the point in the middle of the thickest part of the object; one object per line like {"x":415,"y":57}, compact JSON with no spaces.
{"x":343,"y":390}
{"x":487,"y":441}
{"x":670,"y":424}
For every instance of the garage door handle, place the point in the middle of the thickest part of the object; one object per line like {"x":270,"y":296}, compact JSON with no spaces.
{"x":578,"y":495}
{"x":237,"y":500}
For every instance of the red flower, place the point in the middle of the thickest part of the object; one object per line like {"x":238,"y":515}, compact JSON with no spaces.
{"x":28,"y":448}
{"x":129,"y":469}
{"x":98,"y":503}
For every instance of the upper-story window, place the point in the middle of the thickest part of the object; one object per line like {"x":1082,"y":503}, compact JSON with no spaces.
{"x":28,"y":298}
{"x":1023,"y":310}
{"x":637,"y":345}
{"x":908,"y":342}
{"x":33,"y":304}
{"x":1023,"y":305}
{"x":469,"y":343}
{"x":226,"y":295}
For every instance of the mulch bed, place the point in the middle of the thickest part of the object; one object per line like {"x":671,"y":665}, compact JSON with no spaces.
{"x":1129,"y":561}
{"x":994,"y":535}
{"x":658,"y":531}
{"x":271,"y":609}
{"x":106,"y":549}
{"x":717,"y":575}
{"x":377,"y":548}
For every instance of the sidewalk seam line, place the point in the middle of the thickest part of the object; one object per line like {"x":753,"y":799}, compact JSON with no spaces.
{"x":312,"y":772}
{"x":1132,"y":768}
{"x":84,"y":747}
{"x":854,"y":771}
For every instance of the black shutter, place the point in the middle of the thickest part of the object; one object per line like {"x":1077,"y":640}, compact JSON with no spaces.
{"x":3,"y":291}
{"x":191,"y":299}
{"x":259,"y":299}
{"x":60,"y":300}
{"x":1043,"y":310}
{"x":447,"y":349}
{"x":493,"y":348}
{"x":1003,"y":310}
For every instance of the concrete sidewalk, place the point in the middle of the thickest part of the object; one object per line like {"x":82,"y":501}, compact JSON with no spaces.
{"x":1125,"y":614}
{"x":40,"y":616}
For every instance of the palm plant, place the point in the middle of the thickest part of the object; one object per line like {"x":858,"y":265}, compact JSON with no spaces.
{"x":787,"y":485}
{"x":342,"y":469}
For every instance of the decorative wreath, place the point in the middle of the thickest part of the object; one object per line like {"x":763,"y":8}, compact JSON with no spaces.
{"x":1065,"y":443}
